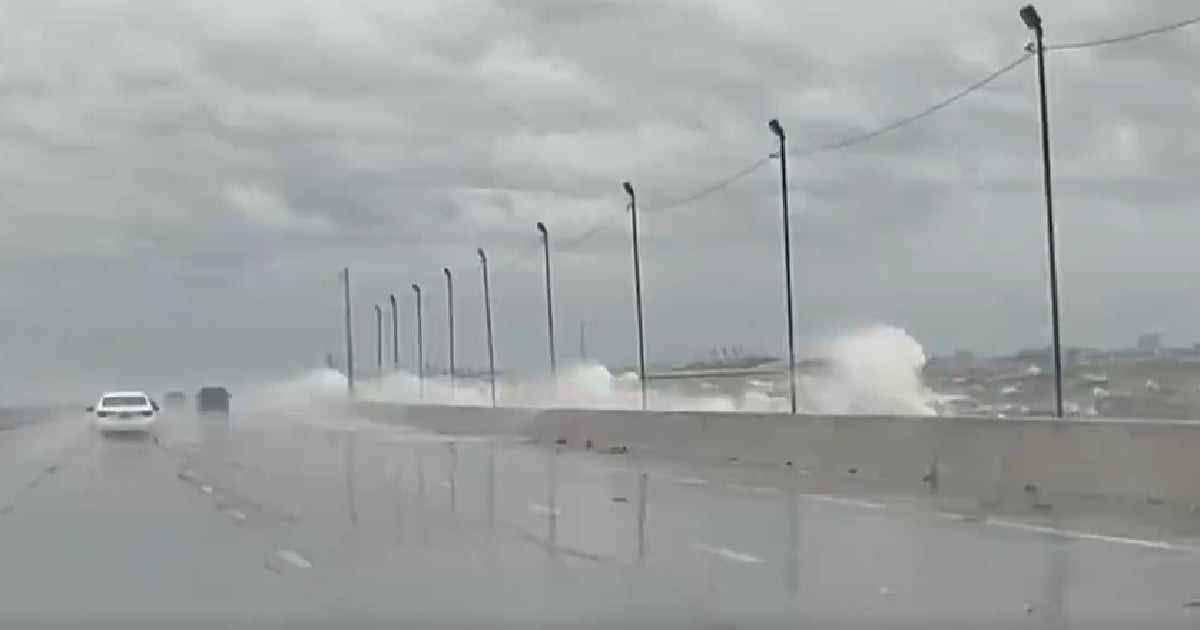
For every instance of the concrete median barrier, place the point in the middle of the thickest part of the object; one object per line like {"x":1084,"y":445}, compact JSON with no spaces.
{"x":1026,"y":462}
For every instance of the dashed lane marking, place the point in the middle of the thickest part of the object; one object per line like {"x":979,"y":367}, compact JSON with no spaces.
{"x":293,"y":558}
{"x":727,"y":553}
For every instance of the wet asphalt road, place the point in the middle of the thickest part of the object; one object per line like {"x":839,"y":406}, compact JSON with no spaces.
{"x":316,"y":520}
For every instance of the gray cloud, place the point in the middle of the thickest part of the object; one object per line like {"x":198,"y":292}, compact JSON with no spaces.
{"x":183,"y":179}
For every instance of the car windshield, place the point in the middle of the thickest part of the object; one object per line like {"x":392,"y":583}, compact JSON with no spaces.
{"x":600,"y":313}
{"x":124,"y":401}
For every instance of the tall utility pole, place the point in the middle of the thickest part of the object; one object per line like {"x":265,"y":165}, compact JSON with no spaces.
{"x":583,"y":356}
{"x":1033,"y":21}
{"x":549,"y":303}
{"x":379,"y":340}
{"x":450,"y":316}
{"x":349,"y":330}
{"x":420,"y":344}
{"x":637,"y":290}
{"x":487,"y":312}
{"x":395,"y":332}
{"x":777,"y":129}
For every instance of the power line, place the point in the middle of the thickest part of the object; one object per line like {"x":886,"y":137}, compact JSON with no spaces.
{"x":1120,"y":39}
{"x":860,"y":138}
{"x":853,"y":140}
{"x":566,"y":244}
{"x":840,"y":144}
{"x":594,"y":229}
{"x":903,"y":122}
{"x":608,"y":219}
{"x":925,"y":113}
{"x":711,"y":188}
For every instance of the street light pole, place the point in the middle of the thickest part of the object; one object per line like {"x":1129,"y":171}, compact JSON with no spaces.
{"x":777,"y":129}
{"x":637,"y":290}
{"x":379,"y":340}
{"x":395,"y":332}
{"x":349,"y":330}
{"x":487,"y":311}
{"x":549,"y":303}
{"x":420,"y":344}
{"x":1034,"y":22}
{"x":450,"y":316}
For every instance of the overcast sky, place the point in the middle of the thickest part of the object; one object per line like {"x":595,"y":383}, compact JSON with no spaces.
{"x":180,"y":180}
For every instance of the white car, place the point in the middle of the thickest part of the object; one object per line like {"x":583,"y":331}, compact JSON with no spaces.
{"x":124,"y":411}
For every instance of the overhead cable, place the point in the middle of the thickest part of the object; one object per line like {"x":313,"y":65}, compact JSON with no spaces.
{"x":1129,"y":37}
{"x":866,"y":136}
{"x":924,"y":113}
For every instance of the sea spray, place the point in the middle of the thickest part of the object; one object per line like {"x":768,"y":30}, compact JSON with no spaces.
{"x":875,"y":370}
{"x":872,"y":370}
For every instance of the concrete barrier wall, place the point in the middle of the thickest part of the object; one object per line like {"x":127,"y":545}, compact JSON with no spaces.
{"x":996,"y":461}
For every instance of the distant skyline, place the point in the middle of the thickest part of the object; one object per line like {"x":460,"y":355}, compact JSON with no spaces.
{"x":183,"y":179}
{"x":813,"y":352}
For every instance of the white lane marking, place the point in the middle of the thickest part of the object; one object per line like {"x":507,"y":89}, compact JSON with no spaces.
{"x":544,"y":509}
{"x":237,"y":515}
{"x":1078,"y":535}
{"x":727,"y":553}
{"x":294,"y":559}
{"x":737,"y":487}
{"x":684,"y":481}
{"x":1019,"y":526}
{"x":206,"y":489}
{"x":844,"y":501}
{"x":446,"y":484}
{"x":954,"y":517}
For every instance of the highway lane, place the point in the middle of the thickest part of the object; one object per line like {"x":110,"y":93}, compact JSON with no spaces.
{"x":315,"y":518}
{"x":131,"y":533}
{"x":758,"y":554}
{"x":375,"y":508}
{"x":108,"y":535}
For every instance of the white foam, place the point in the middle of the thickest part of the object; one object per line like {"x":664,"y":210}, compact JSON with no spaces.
{"x":876,"y":370}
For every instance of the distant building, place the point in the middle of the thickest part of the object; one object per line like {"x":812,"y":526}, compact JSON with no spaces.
{"x":1150,"y":342}
{"x":1093,"y":355}
{"x":1034,"y":354}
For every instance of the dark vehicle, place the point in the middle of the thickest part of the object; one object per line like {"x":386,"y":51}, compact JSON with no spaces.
{"x":213,"y":400}
{"x":174,"y":399}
